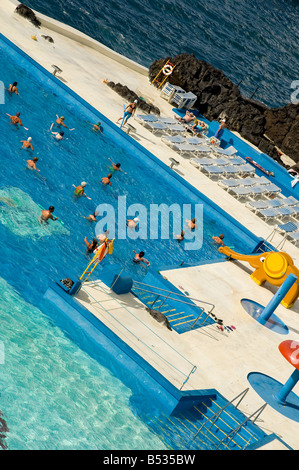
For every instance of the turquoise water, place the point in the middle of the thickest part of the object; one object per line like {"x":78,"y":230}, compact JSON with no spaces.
{"x":254,"y":42}
{"x":54,"y":395}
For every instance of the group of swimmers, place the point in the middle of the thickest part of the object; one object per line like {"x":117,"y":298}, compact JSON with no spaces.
{"x":47,"y":214}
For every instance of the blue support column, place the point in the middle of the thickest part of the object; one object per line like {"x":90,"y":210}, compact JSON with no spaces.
{"x":287,"y":387}
{"x":277,"y":298}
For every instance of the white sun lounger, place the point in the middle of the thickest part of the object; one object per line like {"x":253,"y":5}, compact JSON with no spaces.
{"x":286,"y":230}
{"x":185,"y":148}
{"x":230,"y":183}
{"x":213,"y":170}
{"x":272,"y":188}
{"x":173,"y":139}
{"x":236,"y":161}
{"x":204,"y":149}
{"x":294,"y":237}
{"x":196,"y":140}
{"x":257,"y":205}
{"x":160,"y":127}
{"x":268,"y":213}
{"x":290,"y":201}
{"x":228,"y":152}
{"x":198,"y":162}
{"x":142,"y":118}
{"x":168,"y":120}
{"x":241,"y":191}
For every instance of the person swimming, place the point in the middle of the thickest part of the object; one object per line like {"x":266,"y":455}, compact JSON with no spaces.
{"x":16,"y":121}
{"x":13,"y":88}
{"x":27,"y":144}
{"x":58,"y":135}
{"x":79,"y":191}
{"x":102,"y":236}
{"x":132,"y":223}
{"x":47,"y":214}
{"x":192,"y":224}
{"x":180,"y":237}
{"x":139,"y":258}
{"x":91,"y":217}
{"x":97,"y":127}
{"x":60,"y":122}
{"x":115,"y":167}
{"x":91,"y":246}
{"x":31,"y":164}
{"x":219,"y":240}
{"x":106,"y":180}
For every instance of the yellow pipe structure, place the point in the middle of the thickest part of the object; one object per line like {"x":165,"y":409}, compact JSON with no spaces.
{"x":271,"y":266}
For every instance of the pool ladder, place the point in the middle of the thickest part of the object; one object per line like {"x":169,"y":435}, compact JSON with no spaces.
{"x":168,"y":295}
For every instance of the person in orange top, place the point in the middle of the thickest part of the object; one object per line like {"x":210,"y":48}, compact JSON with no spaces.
{"x":106,"y":180}
{"x":31,"y":164}
{"x":15,"y":120}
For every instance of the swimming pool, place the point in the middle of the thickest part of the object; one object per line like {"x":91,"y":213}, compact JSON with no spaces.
{"x":32,"y":255}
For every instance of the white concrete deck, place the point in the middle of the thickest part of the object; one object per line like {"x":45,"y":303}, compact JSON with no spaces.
{"x":223,"y":360}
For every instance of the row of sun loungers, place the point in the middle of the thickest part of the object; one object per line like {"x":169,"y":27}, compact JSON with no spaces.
{"x":234,"y":175}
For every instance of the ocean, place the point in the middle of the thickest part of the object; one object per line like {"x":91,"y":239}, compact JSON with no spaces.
{"x":253,"y":42}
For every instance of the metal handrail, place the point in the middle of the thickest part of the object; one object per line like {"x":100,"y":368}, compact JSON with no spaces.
{"x":174,"y":293}
{"x":236,"y":430}
{"x":193,"y":369}
{"x":215,"y":416}
{"x":192,"y":304}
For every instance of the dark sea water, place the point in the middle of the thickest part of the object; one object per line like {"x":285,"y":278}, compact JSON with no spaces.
{"x":253,"y":41}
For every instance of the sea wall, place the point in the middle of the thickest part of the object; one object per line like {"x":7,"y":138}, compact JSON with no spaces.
{"x":78,"y":36}
{"x":268,"y":129}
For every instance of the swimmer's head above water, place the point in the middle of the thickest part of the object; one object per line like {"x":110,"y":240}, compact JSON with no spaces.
{"x":83,"y":184}
{"x":18,"y":114}
{"x":29,"y":139}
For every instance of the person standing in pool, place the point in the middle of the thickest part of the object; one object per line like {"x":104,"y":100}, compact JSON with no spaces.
{"x":106,"y":180}
{"x":58,"y":135}
{"x":16,"y":121}
{"x":79,"y":191}
{"x":219,"y":240}
{"x":27,"y":144}
{"x":132,"y":223}
{"x":139,"y":258}
{"x":180,"y":237}
{"x":31,"y":164}
{"x":97,"y":127}
{"x":60,"y":122}
{"x":13,"y":88}
{"x":91,"y":246}
{"x":192,"y":224}
{"x":48,"y":214}
{"x":128,"y":112}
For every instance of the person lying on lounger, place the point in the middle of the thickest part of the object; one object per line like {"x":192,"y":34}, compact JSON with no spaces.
{"x":186,"y":119}
{"x":197,"y":127}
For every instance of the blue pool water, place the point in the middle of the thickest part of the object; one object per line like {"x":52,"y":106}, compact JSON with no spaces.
{"x":41,"y":363}
{"x":254,"y":42}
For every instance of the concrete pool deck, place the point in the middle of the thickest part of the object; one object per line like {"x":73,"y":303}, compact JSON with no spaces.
{"x":223,"y":360}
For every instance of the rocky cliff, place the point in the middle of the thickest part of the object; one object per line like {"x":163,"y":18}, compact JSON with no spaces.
{"x":268,"y":129}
